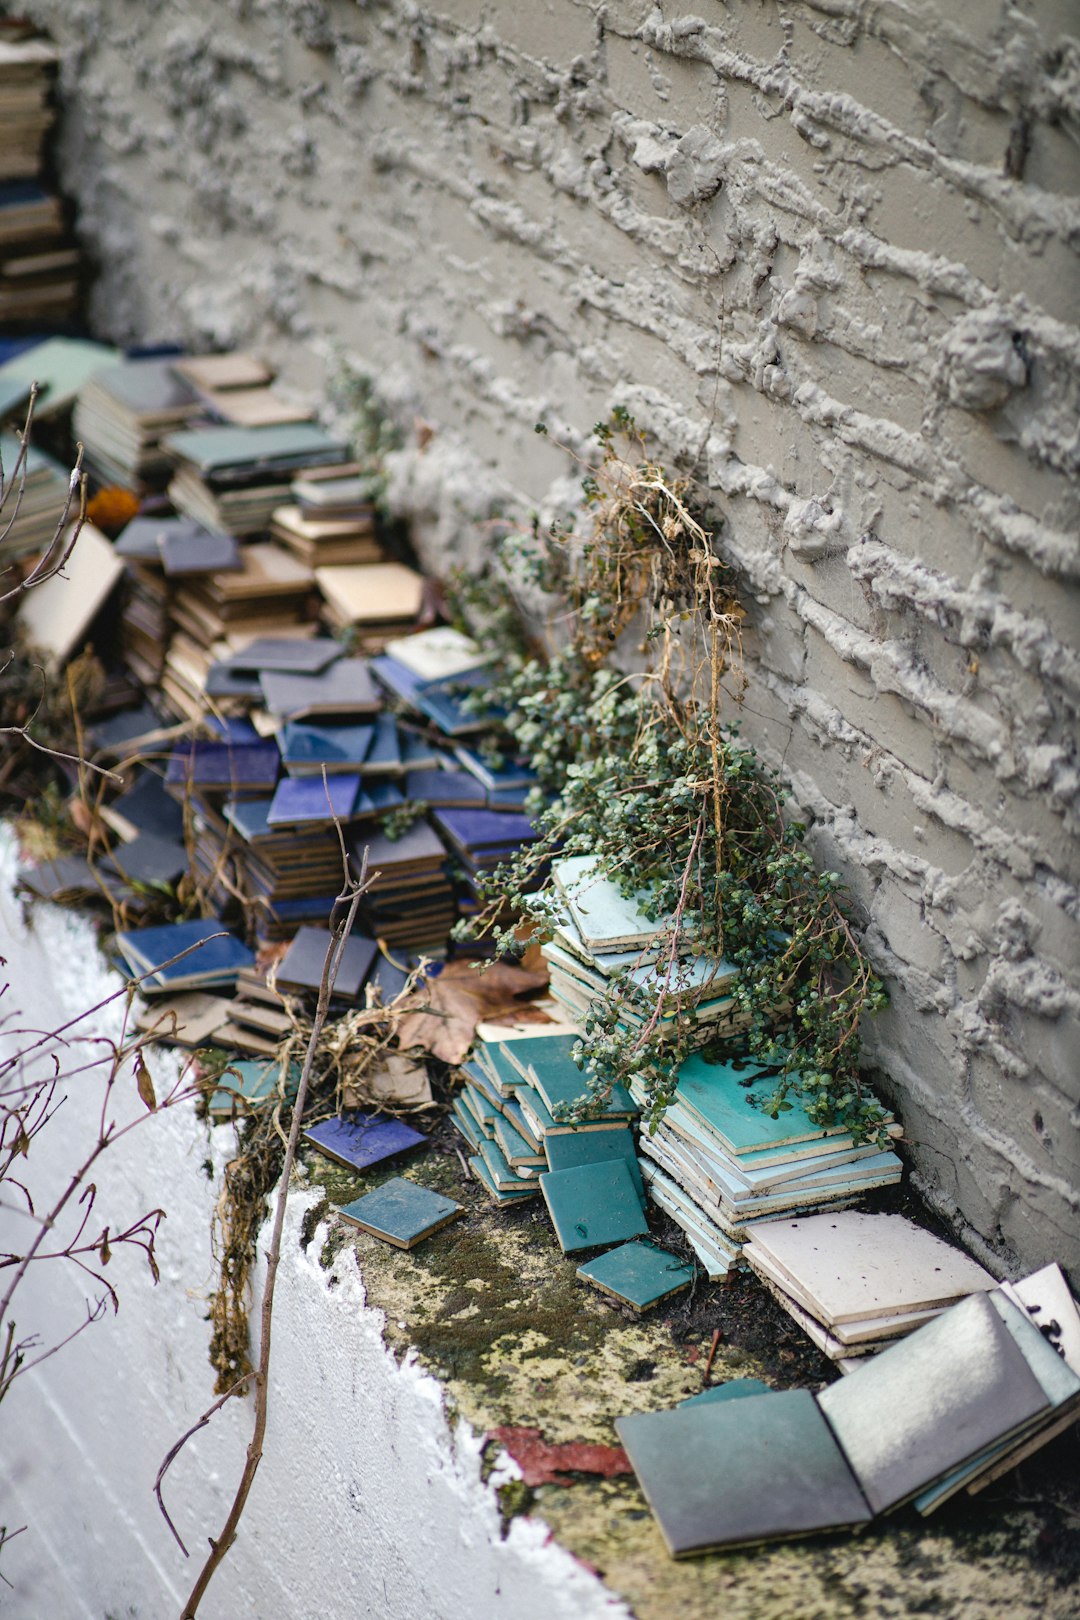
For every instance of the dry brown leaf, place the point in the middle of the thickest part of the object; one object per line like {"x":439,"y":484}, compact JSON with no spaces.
{"x":461,"y":997}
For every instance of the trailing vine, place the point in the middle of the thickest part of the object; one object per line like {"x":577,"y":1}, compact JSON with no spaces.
{"x":621,"y":711}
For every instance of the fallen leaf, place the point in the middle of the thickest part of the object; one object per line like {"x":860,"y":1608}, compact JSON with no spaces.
{"x":449,"y":1007}
{"x":399,"y":1082}
{"x":542,"y":1463}
{"x":145,"y":1083}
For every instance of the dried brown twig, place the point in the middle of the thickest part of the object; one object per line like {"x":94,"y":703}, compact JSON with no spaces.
{"x":342,"y":919}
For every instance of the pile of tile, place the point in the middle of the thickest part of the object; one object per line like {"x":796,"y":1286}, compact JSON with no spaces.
{"x":44,"y":487}
{"x":599,"y":934}
{"x":121,"y":417}
{"x":39,"y":263}
{"x":718,"y":1163}
{"x":854,"y":1282}
{"x":233,"y":479}
{"x":510,"y":1112}
{"x":959,"y":1401}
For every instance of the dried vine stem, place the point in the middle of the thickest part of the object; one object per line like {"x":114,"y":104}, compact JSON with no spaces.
{"x":26,"y":1107}
{"x":351,"y":894}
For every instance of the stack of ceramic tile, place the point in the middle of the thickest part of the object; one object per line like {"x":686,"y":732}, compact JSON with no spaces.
{"x":331,"y":519}
{"x":718,"y":1162}
{"x":42,"y":497}
{"x":39,"y":263}
{"x":376,"y":601}
{"x":950,"y":1407}
{"x":600,"y":933}
{"x":27,"y":69}
{"x":512,"y":1112}
{"x":233,"y":478}
{"x":121,"y":416}
{"x":220,"y":612}
{"x":438,"y":674}
{"x":158,"y":554}
{"x":201,"y":954}
{"x":482,"y":839}
{"x":237,"y":388}
{"x":411,"y":904}
{"x":527,"y":1080}
{"x":854,"y":1282}
{"x":59,"y":366}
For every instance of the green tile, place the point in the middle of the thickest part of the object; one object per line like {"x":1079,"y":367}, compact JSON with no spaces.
{"x":736,"y":1389}
{"x":719,"y":1096}
{"x":593,"y":1204}
{"x":559,"y":1081}
{"x":401,"y":1213}
{"x":733,"y":1473}
{"x":255,"y":1084}
{"x":539,"y":1049}
{"x":519,"y":1152}
{"x":466,"y":1124}
{"x":638,"y":1273}
{"x":569,"y":1148}
{"x":483,"y":1175}
{"x":502,"y":1174}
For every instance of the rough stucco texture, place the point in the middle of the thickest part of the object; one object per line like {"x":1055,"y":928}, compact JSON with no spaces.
{"x":826,"y":252}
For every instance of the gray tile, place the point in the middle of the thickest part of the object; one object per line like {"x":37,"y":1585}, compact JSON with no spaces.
{"x":927,"y":1404}
{"x":736,"y":1472}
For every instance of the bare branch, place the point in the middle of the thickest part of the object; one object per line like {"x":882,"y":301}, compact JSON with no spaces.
{"x":351,"y":894}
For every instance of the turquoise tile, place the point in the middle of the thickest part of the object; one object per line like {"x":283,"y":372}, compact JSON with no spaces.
{"x":255,"y":1084}
{"x":720,"y":1098}
{"x":569,"y":1148}
{"x":736,"y":1389}
{"x":483,"y":1175}
{"x":539,"y":1049}
{"x":519,"y":1152}
{"x":560,"y":1082}
{"x":401,"y":1213}
{"x":593,"y":1204}
{"x":638,"y":1273}
{"x":465,"y":1123}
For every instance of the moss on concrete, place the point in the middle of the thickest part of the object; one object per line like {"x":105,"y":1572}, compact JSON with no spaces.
{"x":493,"y":1308}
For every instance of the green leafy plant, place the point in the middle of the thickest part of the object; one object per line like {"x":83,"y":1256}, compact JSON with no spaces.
{"x":620,"y":706}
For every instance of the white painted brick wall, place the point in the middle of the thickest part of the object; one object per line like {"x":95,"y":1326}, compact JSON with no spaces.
{"x":826,"y":251}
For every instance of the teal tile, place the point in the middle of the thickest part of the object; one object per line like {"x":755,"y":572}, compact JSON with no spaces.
{"x":606,"y":919}
{"x":569,"y":1148}
{"x":502,"y":1174}
{"x":518,"y":1150}
{"x":401,"y":1213}
{"x":736,"y":1389}
{"x":483,"y":1175}
{"x":479,"y":1106}
{"x":465,"y":1123}
{"x":593,"y":1204}
{"x":719,"y":1096}
{"x":734,"y":1473}
{"x":539,"y":1049}
{"x":255,"y":1084}
{"x":638,"y":1273}
{"x":559,"y":1081}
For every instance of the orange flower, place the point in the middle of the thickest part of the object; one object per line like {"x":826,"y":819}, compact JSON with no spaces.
{"x":112,"y":509}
